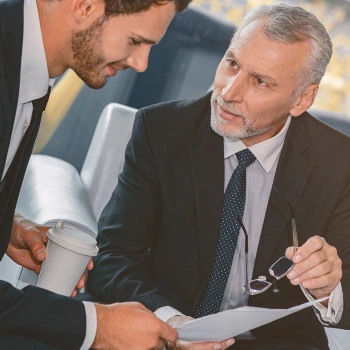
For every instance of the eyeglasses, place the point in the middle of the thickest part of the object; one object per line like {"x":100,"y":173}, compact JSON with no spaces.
{"x":277,"y":270}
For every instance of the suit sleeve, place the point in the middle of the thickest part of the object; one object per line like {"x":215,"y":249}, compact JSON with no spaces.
{"x":338,"y":235}
{"x":47,"y":317}
{"x":127,"y":228}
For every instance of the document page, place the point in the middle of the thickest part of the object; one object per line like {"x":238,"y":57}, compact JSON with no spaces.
{"x":227,"y":324}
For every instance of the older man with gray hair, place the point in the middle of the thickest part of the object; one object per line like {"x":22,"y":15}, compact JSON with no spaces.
{"x":222,"y":185}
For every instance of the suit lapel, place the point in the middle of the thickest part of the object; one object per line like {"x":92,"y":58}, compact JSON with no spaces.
{"x":292,"y":173}
{"x":11,"y":40}
{"x":207,"y":167}
{"x":11,"y":20}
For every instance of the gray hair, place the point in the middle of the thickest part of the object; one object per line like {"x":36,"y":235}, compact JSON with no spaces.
{"x":290,"y":24}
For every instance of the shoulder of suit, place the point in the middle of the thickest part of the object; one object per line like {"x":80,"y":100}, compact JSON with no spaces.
{"x":323,"y":132}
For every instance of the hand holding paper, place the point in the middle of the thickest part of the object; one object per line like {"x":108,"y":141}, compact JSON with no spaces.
{"x":227,"y":324}
{"x":184,"y":345}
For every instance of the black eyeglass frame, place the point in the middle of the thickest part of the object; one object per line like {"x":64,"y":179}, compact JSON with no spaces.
{"x":279,"y":269}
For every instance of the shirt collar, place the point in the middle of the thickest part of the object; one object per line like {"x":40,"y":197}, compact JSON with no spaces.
{"x":266,"y":152}
{"x":34,"y":80}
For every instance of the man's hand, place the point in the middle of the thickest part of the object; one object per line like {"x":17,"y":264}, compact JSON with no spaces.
{"x":27,"y":246}
{"x":318,"y":267}
{"x":82,"y":280}
{"x":27,"y":243}
{"x":130,"y":326}
{"x":183,"y":345}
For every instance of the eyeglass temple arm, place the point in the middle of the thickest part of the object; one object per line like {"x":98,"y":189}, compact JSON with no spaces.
{"x":247,"y":289}
{"x":294,"y":226}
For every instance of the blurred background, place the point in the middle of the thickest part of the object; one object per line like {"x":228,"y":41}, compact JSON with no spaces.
{"x":183,"y":65}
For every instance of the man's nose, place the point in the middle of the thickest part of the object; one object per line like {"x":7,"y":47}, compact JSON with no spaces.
{"x":234,"y":88}
{"x":138,"y":60}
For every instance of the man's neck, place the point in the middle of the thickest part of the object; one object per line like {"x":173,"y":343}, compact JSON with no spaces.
{"x":55,"y":35}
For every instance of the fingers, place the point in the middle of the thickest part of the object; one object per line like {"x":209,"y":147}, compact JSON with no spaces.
{"x":183,"y":345}
{"x":35,"y":244}
{"x":160,"y":344}
{"x":312,"y":245}
{"x":168,"y":333}
{"x":326,"y":282}
{"x":90,"y":265}
{"x":313,"y":261}
{"x":303,"y":274}
{"x":317,"y":266}
{"x":290,"y":251}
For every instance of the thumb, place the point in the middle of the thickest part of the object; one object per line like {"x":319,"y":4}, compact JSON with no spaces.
{"x":37,"y":247}
{"x":169,"y":333}
{"x":290,"y":251}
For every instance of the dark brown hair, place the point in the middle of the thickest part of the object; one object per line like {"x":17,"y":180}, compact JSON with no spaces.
{"x":127,"y":7}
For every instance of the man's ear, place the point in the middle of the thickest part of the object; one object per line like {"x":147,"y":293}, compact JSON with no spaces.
{"x":87,"y":10}
{"x":305,"y":100}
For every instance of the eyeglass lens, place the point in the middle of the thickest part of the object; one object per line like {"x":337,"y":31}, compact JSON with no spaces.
{"x":281,"y":267}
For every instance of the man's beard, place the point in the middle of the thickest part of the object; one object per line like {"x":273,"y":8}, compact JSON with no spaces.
{"x":89,"y":59}
{"x":88,"y":54}
{"x":223,"y":127}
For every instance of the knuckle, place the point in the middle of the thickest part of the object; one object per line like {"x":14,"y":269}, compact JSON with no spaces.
{"x":339,"y":263}
{"x":315,"y":259}
{"x":328,"y":280}
{"x":333,"y":250}
{"x":324,"y":269}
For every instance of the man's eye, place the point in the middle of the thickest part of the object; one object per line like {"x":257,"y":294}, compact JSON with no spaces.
{"x":232,"y":63}
{"x":135,"y":42}
{"x":260,"y":81}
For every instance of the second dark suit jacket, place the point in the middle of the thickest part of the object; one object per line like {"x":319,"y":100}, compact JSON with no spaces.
{"x":158,"y":234}
{"x":32,"y":312}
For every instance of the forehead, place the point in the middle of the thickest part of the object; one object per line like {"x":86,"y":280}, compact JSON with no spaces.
{"x":258,"y":53}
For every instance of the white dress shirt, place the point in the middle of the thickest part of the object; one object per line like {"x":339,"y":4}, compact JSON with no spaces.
{"x":34,"y":82}
{"x":260,"y":177}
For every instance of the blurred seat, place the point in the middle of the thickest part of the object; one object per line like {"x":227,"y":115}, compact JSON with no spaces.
{"x":53,"y":189}
{"x":182,"y":65}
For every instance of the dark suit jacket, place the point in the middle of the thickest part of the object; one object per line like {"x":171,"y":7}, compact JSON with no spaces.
{"x":158,"y":234}
{"x":32,"y":312}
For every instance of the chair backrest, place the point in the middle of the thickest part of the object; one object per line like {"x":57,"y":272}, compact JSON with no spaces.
{"x":105,"y":157}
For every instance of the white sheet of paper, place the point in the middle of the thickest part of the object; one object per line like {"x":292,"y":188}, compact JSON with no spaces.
{"x":227,"y":324}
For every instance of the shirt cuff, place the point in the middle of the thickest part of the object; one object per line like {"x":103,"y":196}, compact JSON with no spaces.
{"x":332,"y":314}
{"x":91,"y":325}
{"x":165,"y":313}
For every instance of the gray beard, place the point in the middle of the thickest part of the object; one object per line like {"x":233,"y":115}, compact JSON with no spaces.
{"x":218,"y":125}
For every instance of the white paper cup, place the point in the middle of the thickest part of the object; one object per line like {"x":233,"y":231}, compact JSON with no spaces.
{"x":68,"y":254}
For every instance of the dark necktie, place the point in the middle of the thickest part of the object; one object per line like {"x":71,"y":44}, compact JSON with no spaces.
{"x":234,"y":201}
{"x":39,"y":105}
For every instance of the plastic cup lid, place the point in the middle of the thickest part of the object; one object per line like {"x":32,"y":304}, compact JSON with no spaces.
{"x":73,"y":239}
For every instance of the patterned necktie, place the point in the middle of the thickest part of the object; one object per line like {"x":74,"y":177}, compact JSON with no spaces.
{"x":234,"y":201}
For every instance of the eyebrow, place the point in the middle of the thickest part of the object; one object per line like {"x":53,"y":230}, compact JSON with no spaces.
{"x":145,"y":40}
{"x":264,"y":77}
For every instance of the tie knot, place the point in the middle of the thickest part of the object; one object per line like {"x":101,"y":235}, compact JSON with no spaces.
{"x":245,"y":157}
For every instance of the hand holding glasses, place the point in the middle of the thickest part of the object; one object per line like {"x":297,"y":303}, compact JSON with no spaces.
{"x":277,"y":270}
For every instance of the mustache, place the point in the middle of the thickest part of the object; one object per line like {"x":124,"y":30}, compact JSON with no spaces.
{"x":229,"y":107}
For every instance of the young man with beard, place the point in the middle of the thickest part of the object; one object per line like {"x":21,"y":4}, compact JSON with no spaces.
{"x":247,"y":150}
{"x":39,"y":40}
